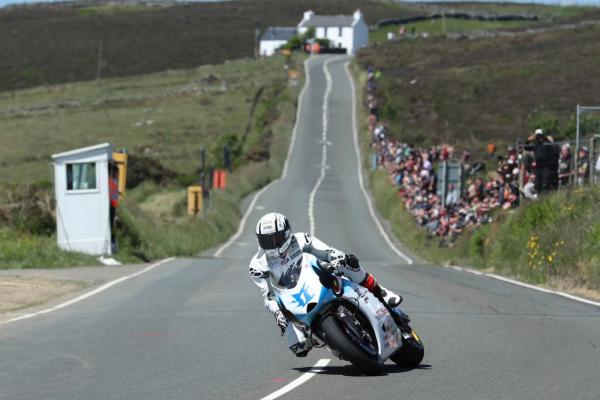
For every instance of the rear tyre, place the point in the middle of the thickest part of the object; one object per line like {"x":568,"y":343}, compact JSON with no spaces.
{"x":338,"y":339}
{"x":411,"y":353}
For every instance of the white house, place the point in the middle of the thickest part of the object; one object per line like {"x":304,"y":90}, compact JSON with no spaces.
{"x":82,"y":199}
{"x":274,"y":38}
{"x":344,"y":31}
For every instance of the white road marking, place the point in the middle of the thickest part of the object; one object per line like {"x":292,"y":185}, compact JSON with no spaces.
{"x":283,"y":175}
{"x":88,"y":294}
{"x":523,"y":284}
{"x":360,"y":177}
{"x":311,"y":198}
{"x":300,"y":380}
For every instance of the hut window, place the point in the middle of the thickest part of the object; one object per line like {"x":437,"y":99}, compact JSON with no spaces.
{"x":81,"y":176}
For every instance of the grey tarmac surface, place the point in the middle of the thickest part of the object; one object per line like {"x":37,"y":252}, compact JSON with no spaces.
{"x":195,"y":328}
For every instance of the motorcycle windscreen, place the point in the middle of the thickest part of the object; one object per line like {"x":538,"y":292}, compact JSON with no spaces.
{"x":288,"y":278}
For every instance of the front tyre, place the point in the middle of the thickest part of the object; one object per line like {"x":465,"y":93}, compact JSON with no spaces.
{"x":339,"y":337}
{"x":412,"y":351}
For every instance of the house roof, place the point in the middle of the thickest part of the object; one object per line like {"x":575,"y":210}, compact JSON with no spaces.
{"x":328,"y":20}
{"x":278,"y":33}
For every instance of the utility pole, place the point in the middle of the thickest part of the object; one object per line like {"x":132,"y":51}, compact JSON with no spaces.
{"x":203,"y":169}
{"x":99,"y":66}
{"x":444,"y":22}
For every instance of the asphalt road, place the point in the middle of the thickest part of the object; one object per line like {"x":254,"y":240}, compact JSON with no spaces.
{"x":196,"y":328}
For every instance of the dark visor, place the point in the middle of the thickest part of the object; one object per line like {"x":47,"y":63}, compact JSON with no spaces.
{"x":272,"y":240}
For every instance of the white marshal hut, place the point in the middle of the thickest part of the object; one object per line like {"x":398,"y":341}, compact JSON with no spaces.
{"x":82,"y":199}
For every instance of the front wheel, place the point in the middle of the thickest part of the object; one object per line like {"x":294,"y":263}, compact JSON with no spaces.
{"x":412,"y":351}
{"x":351,"y":336}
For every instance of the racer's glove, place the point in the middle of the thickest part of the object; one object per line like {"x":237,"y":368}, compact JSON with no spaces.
{"x":337,"y":259}
{"x":281,"y":321}
{"x":352,"y":262}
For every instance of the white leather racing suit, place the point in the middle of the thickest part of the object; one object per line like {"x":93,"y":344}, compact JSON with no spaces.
{"x":280,"y":269}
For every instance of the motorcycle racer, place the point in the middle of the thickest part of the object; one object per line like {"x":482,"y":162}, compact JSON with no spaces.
{"x":279,"y":262}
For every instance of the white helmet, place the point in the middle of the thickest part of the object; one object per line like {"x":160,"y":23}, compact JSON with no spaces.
{"x":274,"y":234}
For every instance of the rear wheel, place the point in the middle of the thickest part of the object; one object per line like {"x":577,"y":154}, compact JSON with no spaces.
{"x":412,"y":351}
{"x":348,"y":332}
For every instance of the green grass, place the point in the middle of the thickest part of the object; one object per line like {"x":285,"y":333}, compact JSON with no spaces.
{"x":441,"y":26}
{"x":544,"y":12}
{"x":21,"y":250}
{"x":189,"y":110}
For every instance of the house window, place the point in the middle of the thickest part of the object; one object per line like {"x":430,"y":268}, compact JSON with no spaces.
{"x":325,"y":32}
{"x":81,"y":176}
{"x":340,"y":32}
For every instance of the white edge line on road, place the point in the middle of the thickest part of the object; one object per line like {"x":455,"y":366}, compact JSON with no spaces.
{"x":283,"y":174}
{"x":360,"y":177}
{"x":311,"y":198}
{"x":300,"y":380}
{"x":88,"y":294}
{"x":519,"y":283}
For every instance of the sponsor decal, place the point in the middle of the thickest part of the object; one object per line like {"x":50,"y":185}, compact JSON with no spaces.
{"x":391,"y":333}
{"x":267,"y":227}
{"x":303,"y":296}
{"x":364,"y":296}
{"x":381,"y":312}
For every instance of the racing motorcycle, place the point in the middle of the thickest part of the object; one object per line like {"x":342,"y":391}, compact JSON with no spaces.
{"x":345,"y":317}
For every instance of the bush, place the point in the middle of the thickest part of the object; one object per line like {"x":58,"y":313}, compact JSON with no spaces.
{"x":28,"y":208}
{"x":141,"y":169}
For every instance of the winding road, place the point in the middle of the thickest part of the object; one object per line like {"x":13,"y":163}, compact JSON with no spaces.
{"x":195,"y":328}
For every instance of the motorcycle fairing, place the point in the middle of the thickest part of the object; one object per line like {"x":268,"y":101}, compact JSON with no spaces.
{"x":315,"y":289}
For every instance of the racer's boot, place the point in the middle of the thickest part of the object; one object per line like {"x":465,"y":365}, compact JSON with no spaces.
{"x":298,"y":342}
{"x":387,"y":296}
{"x":352,"y":269}
{"x":392,"y":299}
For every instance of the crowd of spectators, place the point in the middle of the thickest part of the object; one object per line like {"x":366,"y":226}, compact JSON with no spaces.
{"x":521,"y":173}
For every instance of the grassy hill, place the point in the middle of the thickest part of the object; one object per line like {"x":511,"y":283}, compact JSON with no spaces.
{"x":47,"y":44}
{"x":472,"y":91}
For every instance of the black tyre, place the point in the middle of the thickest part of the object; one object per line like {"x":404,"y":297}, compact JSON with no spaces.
{"x":411,"y":353}
{"x":340,"y":337}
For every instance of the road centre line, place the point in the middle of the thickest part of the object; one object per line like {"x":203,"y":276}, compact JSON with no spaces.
{"x":283,"y":174}
{"x":360,"y":177}
{"x":300,"y":380}
{"x":311,"y":198}
{"x":522,"y":284}
{"x":88,"y":294}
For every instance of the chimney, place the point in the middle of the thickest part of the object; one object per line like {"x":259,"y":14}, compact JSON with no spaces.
{"x":357,"y":15}
{"x":308,"y":15}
